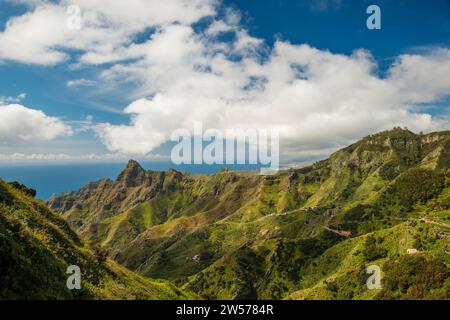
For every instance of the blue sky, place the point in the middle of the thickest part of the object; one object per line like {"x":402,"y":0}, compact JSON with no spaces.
{"x":92,"y":109}
{"x":340,"y":26}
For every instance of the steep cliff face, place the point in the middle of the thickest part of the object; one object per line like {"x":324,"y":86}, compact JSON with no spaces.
{"x":148,"y":198}
{"x":216,"y":233}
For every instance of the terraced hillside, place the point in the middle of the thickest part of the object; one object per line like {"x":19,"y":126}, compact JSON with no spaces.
{"x":37,"y":246}
{"x":303,"y":233}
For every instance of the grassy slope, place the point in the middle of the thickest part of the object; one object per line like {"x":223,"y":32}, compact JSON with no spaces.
{"x":349,"y":188}
{"x":36,"y":247}
{"x":340,"y":272}
{"x":263,"y":237}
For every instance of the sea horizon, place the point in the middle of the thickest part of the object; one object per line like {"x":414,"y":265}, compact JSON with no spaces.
{"x":56,"y":178}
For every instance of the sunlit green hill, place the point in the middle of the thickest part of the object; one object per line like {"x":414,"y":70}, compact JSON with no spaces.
{"x":300,"y":233}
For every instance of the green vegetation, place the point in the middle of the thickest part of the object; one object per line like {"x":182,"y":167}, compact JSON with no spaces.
{"x":417,"y":186}
{"x":416,"y":277}
{"x":24,"y":189}
{"x":37,"y":246}
{"x":372,"y":251}
{"x":306,"y":233}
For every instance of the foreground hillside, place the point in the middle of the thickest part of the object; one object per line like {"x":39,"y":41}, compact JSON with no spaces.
{"x":301,"y":234}
{"x":37,"y":246}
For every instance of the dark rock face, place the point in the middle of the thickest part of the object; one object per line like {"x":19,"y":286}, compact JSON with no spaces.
{"x":133,"y":175}
{"x":107,"y":198}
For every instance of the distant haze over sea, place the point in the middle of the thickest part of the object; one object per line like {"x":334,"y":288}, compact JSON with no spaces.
{"x":51,"y":179}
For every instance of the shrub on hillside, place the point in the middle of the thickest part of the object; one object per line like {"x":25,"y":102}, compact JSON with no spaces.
{"x":18,"y":186}
{"x":415,"y":277}
{"x":350,"y":285}
{"x":416,"y":186}
{"x":360,"y":212}
{"x":5,"y":196}
{"x":372,"y":250}
{"x":389,"y":171}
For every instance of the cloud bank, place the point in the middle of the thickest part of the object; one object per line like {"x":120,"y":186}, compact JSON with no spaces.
{"x":221,"y":75}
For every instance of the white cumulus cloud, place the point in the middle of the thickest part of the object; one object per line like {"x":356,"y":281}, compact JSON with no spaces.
{"x":18,"y":123}
{"x":42,"y":35}
{"x":319,"y":100}
{"x":316,"y":98}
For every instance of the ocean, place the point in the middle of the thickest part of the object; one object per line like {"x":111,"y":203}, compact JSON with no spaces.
{"x":59,"y":178}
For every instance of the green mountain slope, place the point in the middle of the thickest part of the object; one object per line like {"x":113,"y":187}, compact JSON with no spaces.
{"x":37,"y":246}
{"x":340,"y":273}
{"x":238,"y":236}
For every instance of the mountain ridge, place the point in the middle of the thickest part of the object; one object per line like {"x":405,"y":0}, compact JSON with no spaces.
{"x":195,"y":230}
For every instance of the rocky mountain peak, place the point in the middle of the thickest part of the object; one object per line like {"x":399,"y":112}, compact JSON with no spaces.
{"x":133,"y":164}
{"x":132,"y":175}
